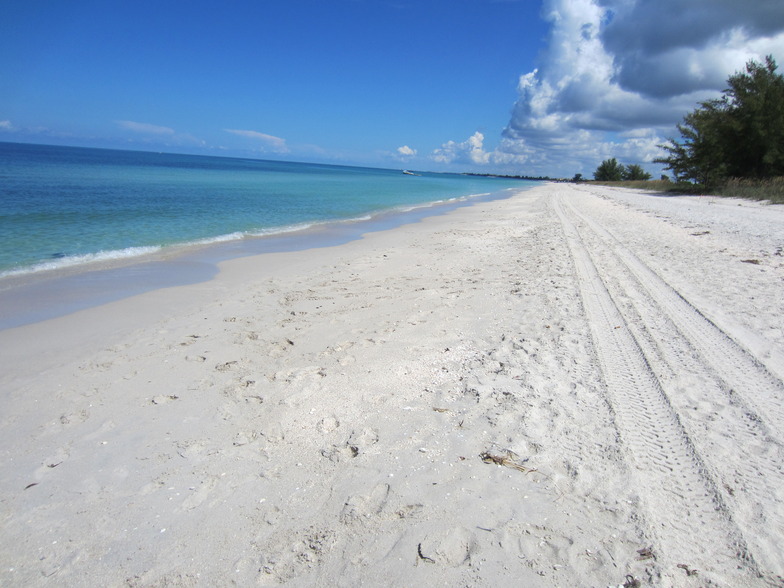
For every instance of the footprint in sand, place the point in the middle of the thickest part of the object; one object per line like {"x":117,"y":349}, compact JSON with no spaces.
{"x":67,"y":420}
{"x":363,"y":506}
{"x":537,"y":544}
{"x":192,"y":450}
{"x":304,"y":382}
{"x":311,"y":373}
{"x":328,"y":424}
{"x":226,"y":366}
{"x":451,"y":547}
{"x":190,"y":340}
{"x":347,"y":360}
{"x":244,"y":389}
{"x":200,"y":494}
{"x":278,"y":348}
{"x":291,"y":555}
{"x":51,"y":462}
{"x":361,"y":440}
{"x":245,"y":438}
{"x":358,"y":442}
{"x":151,"y":487}
{"x":336,"y":453}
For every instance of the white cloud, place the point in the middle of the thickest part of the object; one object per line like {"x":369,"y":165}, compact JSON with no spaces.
{"x":6,"y":125}
{"x":150,"y":134}
{"x":640,"y":30}
{"x":472,"y":153}
{"x":270,"y":142}
{"x":469,"y":151}
{"x":616,"y":78}
{"x":405,"y":151}
{"x":145,"y":128}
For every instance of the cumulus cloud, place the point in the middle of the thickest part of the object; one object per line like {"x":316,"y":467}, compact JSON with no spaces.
{"x":5,"y":125}
{"x":469,"y":151}
{"x":696,"y":45}
{"x":145,"y":128}
{"x":405,"y":151}
{"x":654,"y":28}
{"x":472,"y":153}
{"x":267,"y":142}
{"x":617,"y":75}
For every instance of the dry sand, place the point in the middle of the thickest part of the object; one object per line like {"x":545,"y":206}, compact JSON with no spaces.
{"x":577,"y":386}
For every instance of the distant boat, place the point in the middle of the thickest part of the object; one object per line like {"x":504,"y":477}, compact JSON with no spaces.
{"x":408,"y":173}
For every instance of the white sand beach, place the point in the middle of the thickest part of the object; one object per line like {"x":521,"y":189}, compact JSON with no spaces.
{"x":576,"y":386}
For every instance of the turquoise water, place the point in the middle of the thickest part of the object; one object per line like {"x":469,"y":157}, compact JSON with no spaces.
{"x":65,"y":206}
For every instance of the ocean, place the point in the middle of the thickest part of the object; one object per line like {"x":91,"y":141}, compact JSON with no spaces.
{"x":81,"y":227}
{"x":70,"y":206}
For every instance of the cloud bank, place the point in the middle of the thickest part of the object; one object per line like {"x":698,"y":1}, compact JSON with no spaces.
{"x":145,"y":128}
{"x":266,"y":142}
{"x":617,"y":75}
{"x":150,"y":134}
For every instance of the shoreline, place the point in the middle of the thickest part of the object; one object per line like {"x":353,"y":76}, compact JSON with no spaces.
{"x":34,"y":296}
{"x":571,"y":386}
{"x":77,"y":264}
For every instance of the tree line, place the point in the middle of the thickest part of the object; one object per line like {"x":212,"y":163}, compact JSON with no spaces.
{"x":737,"y":136}
{"x":612,"y":171}
{"x":740,"y":135}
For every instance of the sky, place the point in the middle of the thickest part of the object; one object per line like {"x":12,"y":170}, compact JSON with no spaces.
{"x":529,"y":87}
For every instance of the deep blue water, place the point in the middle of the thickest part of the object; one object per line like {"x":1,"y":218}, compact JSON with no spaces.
{"x":62,"y":206}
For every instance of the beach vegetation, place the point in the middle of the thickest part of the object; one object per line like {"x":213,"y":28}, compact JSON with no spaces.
{"x":770,"y":189}
{"x":653,"y":185}
{"x":612,"y":171}
{"x":634,"y":172}
{"x":609,"y":171}
{"x":739,"y":135}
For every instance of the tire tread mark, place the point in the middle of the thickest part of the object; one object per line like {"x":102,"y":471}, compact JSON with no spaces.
{"x":755,"y":461}
{"x":675,"y":485}
{"x":743,"y":372}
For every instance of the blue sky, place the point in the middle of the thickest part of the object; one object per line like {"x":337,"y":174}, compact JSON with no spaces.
{"x":514,"y":86}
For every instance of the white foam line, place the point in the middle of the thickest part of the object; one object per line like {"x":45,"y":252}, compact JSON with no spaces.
{"x":72,"y":260}
{"x":88,"y":258}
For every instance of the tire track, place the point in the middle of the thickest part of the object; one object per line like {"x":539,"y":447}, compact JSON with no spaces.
{"x":742,"y":372}
{"x":687,"y":519}
{"x":730,"y":436}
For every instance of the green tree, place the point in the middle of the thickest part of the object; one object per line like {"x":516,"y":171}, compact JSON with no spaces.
{"x":756,"y":126}
{"x":738,"y":135}
{"x":700,"y":157}
{"x":634,"y":172}
{"x":609,"y":171}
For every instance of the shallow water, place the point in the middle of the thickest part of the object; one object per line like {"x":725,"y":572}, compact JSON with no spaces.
{"x":70,"y":282}
{"x":68,"y":206}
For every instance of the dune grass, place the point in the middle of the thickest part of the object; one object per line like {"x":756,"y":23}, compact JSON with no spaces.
{"x":771,"y":189}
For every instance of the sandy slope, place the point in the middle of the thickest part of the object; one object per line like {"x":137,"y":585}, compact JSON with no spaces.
{"x":575,"y":387}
